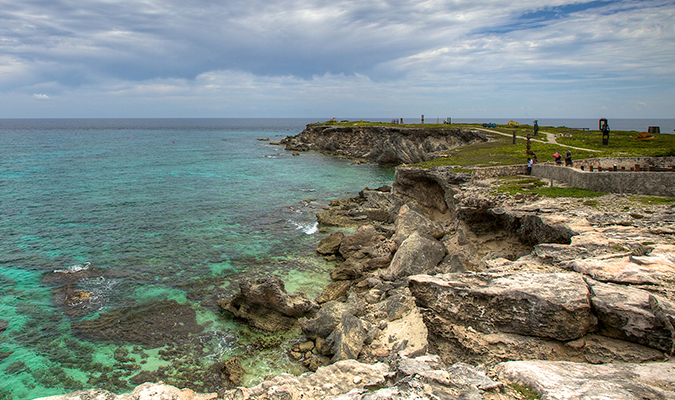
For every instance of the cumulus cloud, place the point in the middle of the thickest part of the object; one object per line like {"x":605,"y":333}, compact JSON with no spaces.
{"x":38,"y":96}
{"x":170,"y":48}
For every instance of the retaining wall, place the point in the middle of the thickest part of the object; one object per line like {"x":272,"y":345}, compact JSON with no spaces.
{"x":644,"y":183}
{"x":504,"y":170}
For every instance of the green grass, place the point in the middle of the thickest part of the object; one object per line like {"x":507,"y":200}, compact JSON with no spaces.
{"x":567,"y":192}
{"x":653,"y":200}
{"x":525,"y":392}
{"x":518,"y":184}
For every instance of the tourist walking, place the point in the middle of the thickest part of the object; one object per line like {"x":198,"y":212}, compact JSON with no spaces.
{"x":558,"y":158}
{"x":568,"y":159}
{"x":529,"y":166}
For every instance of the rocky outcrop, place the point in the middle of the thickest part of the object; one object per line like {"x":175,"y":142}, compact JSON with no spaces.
{"x":570,"y":381}
{"x":554,"y":306}
{"x":384,"y":145}
{"x":265,"y":304}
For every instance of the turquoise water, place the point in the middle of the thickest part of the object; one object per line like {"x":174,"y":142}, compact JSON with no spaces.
{"x":131,"y":215}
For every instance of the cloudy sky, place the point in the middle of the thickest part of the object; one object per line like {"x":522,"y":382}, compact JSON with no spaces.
{"x":343,"y":58}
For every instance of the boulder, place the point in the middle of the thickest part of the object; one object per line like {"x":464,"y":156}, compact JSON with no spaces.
{"x":329,"y":382}
{"x":334,"y":290}
{"x":407,"y":335}
{"x":330,"y":244}
{"x":634,"y":314}
{"x":418,"y":254}
{"x":328,"y":317}
{"x":629,"y":268}
{"x":411,"y":220}
{"x":146,"y":391}
{"x":560,"y":380}
{"x":554,"y":305}
{"x":266,"y":305}
{"x":346,"y":341}
{"x":365,"y":236}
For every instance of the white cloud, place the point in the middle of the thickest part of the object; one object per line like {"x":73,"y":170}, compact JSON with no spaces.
{"x":38,"y":96}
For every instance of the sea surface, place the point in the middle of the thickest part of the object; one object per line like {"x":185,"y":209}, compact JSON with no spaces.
{"x":129,"y":220}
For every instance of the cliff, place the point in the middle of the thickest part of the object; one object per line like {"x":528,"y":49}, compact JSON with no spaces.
{"x":381,"y":144}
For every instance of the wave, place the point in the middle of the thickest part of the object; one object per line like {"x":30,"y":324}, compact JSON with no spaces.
{"x":73,"y":268}
{"x":307,"y":228}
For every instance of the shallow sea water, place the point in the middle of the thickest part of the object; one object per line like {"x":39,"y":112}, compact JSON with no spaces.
{"x":148,"y":211}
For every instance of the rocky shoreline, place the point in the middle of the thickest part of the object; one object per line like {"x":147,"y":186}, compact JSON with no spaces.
{"x":448,"y":290}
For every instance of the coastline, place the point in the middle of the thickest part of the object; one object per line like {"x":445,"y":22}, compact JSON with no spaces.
{"x":440,"y":206}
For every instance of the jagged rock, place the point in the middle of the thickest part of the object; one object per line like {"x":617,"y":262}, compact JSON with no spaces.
{"x":327,"y":382}
{"x":559,"y":380}
{"x":418,"y":254}
{"x":233,"y":370}
{"x":495,"y":303}
{"x":3,"y":325}
{"x":334,"y":290}
{"x":386,"y":145}
{"x":365,"y":236}
{"x":626,"y":313}
{"x":328,"y":317}
{"x":330,"y":244}
{"x":146,"y":391}
{"x":266,"y":305}
{"x":407,"y":336}
{"x":346,"y":341}
{"x":409,"y":221}
{"x":627,"y":268}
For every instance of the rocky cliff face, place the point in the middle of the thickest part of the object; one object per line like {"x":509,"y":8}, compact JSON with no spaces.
{"x":384,"y":145}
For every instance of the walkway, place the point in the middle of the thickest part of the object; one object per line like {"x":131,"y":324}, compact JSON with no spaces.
{"x":549,"y":136}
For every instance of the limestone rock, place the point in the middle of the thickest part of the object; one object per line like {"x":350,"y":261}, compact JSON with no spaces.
{"x":327,"y":382}
{"x":626,"y":313}
{"x":409,"y":221}
{"x":266,"y":305}
{"x":554,"y":305}
{"x":330,"y":244}
{"x":418,"y":254}
{"x":328,"y":317}
{"x":559,"y":380}
{"x":146,"y":391}
{"x":628,"y":268}
{"x":333,"y":291}
{"x":346,"y":341}
{"x":408,"y":336}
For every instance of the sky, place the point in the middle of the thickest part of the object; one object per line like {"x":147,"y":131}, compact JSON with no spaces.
{"x":338,"y":58}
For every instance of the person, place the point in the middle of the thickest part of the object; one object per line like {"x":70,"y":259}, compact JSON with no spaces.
{"x":529,"y":166}
{"x":558,"y":158}
{"x":535,"y":159}
{"x":568,"y":159}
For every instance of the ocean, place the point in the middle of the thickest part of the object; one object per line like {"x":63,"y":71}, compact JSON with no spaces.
{"x":138,"y":226}
{"x":122,"y":217}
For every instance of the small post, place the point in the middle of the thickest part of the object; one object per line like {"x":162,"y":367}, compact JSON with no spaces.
{"x":514,"y":136}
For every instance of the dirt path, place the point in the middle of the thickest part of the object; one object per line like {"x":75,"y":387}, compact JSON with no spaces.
{"x":549,"y":136}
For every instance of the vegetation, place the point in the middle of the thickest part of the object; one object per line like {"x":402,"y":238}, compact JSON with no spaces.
{"x":652,"y":200}
{"x":525,"y":392}
{"x":567,"y":192}
{"x":520,"y":185}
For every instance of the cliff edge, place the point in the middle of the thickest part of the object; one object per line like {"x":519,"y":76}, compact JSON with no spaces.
{"x":381,"y":144}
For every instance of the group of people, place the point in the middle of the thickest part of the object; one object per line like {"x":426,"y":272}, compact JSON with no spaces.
{"x":556,"y":156}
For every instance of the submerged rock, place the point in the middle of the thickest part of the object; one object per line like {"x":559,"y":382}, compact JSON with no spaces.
{"x":152,"y":325}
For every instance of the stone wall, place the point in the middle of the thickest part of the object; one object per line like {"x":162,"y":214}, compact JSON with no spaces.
{"x":504,"y":170}
{"x":626,"y":162}
{"x":644,"y":183}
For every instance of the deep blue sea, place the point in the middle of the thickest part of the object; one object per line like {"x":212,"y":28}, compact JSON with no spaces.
{"x":131,"y":213}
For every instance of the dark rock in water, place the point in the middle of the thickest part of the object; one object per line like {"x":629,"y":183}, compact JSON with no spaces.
{"x":76,"y":303}
{"x":266,"y":305}
{"x":152,"y":325}
{"x":233,"y":371}
{"x":3,"y":325}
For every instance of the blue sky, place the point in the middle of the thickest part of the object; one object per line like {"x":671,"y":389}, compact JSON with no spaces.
{"x":318,"y":58}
